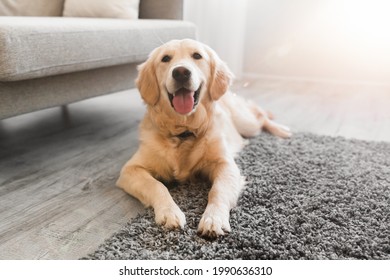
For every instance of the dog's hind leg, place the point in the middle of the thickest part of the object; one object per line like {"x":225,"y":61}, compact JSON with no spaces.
{"x":277,"y":129}
{"x":247,"y":122}
{"x":249,"y":118}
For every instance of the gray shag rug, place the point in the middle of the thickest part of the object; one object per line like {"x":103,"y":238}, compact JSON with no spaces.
{"x":308,"y":197}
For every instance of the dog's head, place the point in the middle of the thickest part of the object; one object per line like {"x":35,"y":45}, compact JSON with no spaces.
{"x":182,"y":74}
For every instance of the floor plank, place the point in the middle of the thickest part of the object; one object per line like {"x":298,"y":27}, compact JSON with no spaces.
{"x":58,"y":167}
{"x":58,"y":194}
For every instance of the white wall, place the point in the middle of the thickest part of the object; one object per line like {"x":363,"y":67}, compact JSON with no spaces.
{"x":315,"y":39}
{"x":319,"y":39}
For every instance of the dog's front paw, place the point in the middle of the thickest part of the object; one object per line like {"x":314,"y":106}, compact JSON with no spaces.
{"x":214,"y":222}
{"x":170,"y":217}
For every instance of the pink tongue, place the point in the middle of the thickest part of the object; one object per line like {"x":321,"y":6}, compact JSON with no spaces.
{"x":183,"y":101}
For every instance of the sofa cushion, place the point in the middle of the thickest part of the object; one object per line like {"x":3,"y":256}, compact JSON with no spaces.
{"x":35,"y":47}
{"x":102,"y":8}
{"x":31,"y":7}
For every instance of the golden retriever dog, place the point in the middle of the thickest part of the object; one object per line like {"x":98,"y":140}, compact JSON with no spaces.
{"x":193,"y":128}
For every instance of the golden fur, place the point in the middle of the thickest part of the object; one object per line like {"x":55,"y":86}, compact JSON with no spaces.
{"x":218,"y":125}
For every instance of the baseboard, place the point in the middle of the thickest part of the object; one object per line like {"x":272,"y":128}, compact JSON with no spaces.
{"x":255,"y":76}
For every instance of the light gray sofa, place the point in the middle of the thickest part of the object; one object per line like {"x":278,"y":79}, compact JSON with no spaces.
{"x":51,"y":61}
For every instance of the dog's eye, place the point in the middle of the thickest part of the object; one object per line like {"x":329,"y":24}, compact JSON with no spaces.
{"x":166,"y":58}
{"x":197,"y":56}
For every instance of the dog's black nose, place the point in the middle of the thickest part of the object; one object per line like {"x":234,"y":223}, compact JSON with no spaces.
{"x":181,"y":74}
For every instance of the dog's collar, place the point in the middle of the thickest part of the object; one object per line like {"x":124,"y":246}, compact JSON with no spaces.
{"x":185,"y":135}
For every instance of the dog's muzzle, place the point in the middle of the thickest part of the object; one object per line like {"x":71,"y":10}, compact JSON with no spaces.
{"x":184,"y":99}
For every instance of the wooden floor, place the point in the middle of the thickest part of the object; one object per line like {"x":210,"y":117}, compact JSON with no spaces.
{"x":58,"y":167}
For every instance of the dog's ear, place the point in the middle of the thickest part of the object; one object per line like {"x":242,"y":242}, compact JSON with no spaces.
{"x":147,"y":83}
{"x":221,"y":76}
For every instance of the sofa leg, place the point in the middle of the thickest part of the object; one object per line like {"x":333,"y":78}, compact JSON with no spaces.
{"x":65,"y":115}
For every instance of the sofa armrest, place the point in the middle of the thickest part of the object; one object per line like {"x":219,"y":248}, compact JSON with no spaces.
{"x":161,"y":9}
